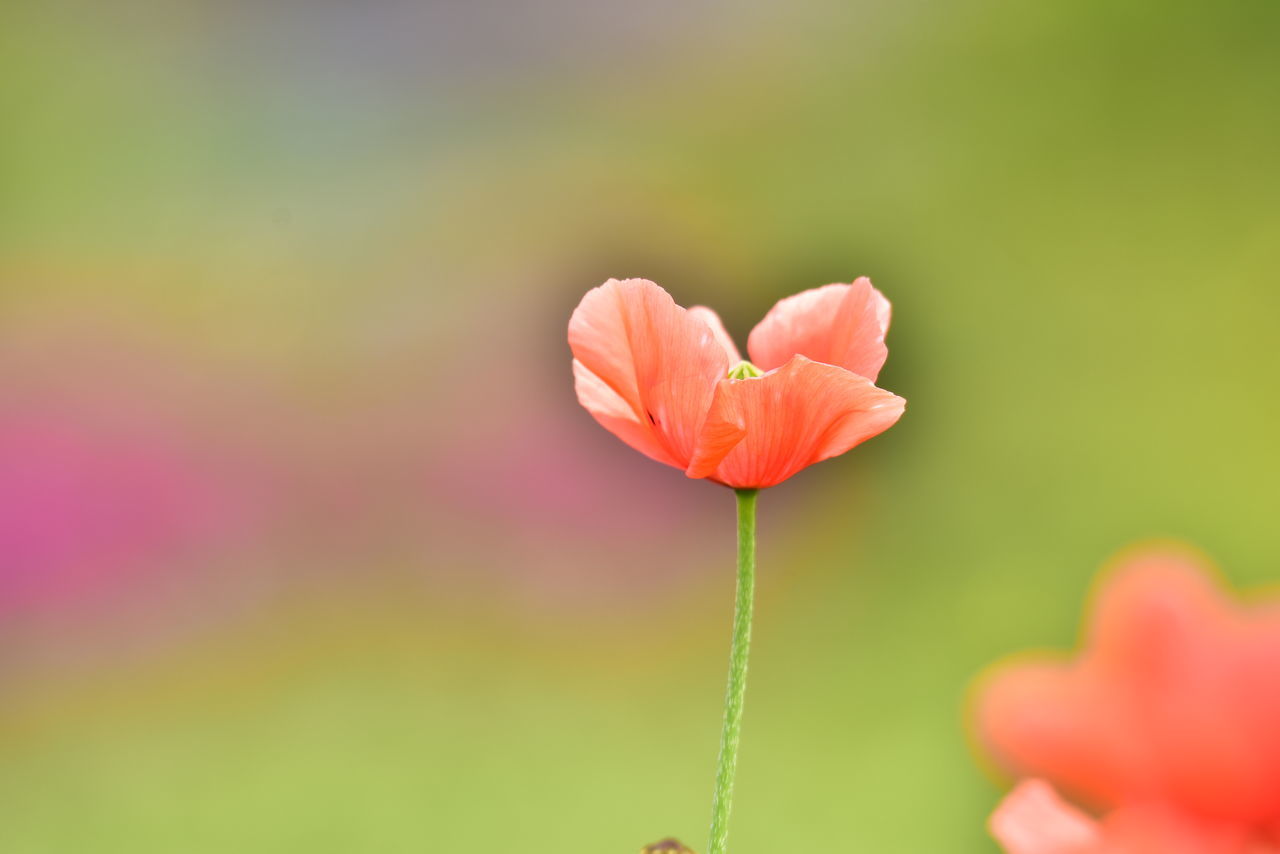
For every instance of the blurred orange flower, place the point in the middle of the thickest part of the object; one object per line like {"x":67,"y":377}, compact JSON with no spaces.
{"x":1169,"y":718}
{"x":669,"y":382}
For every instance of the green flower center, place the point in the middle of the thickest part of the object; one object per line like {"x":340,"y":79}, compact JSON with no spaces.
{"x":744,"y":370}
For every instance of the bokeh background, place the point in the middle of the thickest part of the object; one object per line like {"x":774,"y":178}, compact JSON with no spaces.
{"x":305,"y":545}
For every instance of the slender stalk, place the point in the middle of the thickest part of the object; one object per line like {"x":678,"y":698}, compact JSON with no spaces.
{"x":728,"y":763}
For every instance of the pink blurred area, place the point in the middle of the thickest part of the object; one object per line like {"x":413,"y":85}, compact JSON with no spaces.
{"x":110,"y":468}
{"x":80,"y":509}
{"x":155,"y":481}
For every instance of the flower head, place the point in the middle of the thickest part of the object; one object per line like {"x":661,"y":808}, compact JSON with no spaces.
{"x":1168,"y":718}
{"x":670,"y":383}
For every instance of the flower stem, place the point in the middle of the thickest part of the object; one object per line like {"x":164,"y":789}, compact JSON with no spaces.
{"x":728,"y":763}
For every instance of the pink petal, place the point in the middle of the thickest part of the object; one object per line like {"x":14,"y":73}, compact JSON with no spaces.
{"x":763,"y":430}
{"x":661,"y":363}
{"x":1032,"y":819}
{"x":842,"y":325}
{"x":709,"y":317}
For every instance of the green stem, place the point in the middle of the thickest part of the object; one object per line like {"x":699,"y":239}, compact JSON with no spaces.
{"x":728,"y":764}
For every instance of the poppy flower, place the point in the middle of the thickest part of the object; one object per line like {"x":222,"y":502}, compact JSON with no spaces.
{"x":1034,"y":819}
{"x":1174,"y":701}
{"x":670,"y":383}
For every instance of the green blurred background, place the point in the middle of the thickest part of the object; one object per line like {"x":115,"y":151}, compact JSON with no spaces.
{"x":306,"y":545}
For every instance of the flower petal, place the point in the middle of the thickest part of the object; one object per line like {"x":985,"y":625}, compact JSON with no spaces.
{"x":842,"y":325}
{"x":786,"y":420}
{"x":1155,"y":828}
{"x":659,"y":360}
{"x":616,"y":415}
{"x":713,"y":320}
{"x":1032,"y":819}
{"x":1037,"y":720}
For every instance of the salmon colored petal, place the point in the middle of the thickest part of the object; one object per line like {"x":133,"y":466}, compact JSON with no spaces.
{"x":662,"y":362}
{"x":1038,"y":720}
{"x":842,"y":325}
{"x":616,"y":415}
{"x":1032,"y":819}
{"x":788,"y":419}
{"x":719,"y":436}
{"x":1151,"y":616}
{"x":1201,"y":697}
{"x":712,"y":319}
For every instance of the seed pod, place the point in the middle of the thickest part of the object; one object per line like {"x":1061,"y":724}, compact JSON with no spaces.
{"x":666,"y":846}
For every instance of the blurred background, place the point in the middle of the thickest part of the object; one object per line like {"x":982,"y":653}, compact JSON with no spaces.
{"x":305,"y":544}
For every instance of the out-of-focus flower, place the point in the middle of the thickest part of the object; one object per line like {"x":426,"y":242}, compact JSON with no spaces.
{"x":1168,"y":721}
{"x":1033,"y":819}
{"x":669,"y":382}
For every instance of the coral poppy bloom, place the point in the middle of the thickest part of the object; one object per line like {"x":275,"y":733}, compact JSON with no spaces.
{"x":1174,"y":702}
{"x":669,"y":382}
{"x":1033,"y":819}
